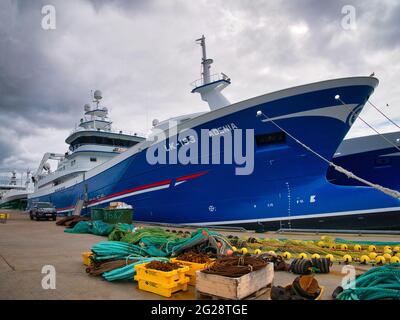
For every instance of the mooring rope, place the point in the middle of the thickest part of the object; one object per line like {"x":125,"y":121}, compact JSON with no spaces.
{"x":393,"y":193}
{"x":337,"y":97}
{"x":381,"y":112}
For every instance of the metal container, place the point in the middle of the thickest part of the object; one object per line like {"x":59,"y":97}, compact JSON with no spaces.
{"x":97,"y":213}
{"x":114,"y":216}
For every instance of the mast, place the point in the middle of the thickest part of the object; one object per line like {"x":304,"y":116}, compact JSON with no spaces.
{"x":206,"y":63}
{"x":210,"y":89}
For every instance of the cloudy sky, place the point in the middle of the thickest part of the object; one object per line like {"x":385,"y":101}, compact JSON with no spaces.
{"x":142,"y":55}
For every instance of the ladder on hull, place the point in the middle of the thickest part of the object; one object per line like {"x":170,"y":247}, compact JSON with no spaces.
{"x":78,"y":208}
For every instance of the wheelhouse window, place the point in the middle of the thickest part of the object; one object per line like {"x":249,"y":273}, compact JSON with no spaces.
{"x":102,"y":141}
{"x":93,"y":159}
{"x":270,"y":138}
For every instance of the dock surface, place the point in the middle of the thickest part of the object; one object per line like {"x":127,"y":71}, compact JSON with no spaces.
{"x":26,"y":246}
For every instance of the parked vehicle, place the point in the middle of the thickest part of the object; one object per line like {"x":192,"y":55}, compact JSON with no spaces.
{"x":43,"y":210}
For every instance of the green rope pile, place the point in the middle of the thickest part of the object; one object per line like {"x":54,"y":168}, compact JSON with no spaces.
{"x":120,"y":231}
{"x":96,"y":227}
{"x":156,"y":235}
{"x":128,"y":272}
{"x":156,"y":242}
{"x":376,"y":283}
{"x":149,"y":244}
{"x":114,"y":250}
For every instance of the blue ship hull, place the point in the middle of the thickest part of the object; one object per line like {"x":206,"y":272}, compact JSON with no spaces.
{"x":369,"y":157}
{"x":287,"y":188}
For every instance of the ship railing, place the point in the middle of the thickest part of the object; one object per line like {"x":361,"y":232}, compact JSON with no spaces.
{"x":117,"y":131}
{"x":214,"y":77}
{"x":5,"y":181}
{"x":106,"y":149}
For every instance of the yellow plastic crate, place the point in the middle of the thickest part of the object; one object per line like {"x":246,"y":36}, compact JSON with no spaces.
{"x":86,"y":257}
{"x":162,"y":290}
{"x":4,"y":217}
{"x":169,"y":278}
{"x":193,"y":268}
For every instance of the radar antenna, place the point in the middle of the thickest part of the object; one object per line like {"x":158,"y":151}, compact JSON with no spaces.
{"x":97,"y":95}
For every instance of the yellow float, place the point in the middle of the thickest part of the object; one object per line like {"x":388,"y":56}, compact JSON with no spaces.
{"x":364,"y":259}
{"x":330,"y":257}
{"x":387,"y":256}
{"x":373,"y":255}
{"x":347,"y":258}
{"x":394,"y":259}
{"x":380,"y":260}
{"x":302,"y":255}
{"x":388,"y":251}
{"x":321,"y":244}
{"x":286,"y":255}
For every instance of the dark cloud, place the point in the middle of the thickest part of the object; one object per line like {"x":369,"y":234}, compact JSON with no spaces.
{"x":142,"y":55}
{"x":7,"y":148}
{"x":30,"y":85}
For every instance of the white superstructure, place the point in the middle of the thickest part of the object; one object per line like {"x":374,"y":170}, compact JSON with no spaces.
{"x":10,"y":181}
{"x":91,"y":143}
{"x":14,"y":188}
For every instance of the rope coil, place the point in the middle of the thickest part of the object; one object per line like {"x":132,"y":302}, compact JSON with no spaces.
{"x":377,"y":283}
{"x":235,"y":266}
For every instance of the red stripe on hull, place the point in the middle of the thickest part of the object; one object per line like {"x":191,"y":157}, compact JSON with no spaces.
{"x":148,"y":186}
{"x":192,"y":176}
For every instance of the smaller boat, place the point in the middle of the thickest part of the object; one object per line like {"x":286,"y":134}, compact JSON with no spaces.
{"x":15,"y":193}
{"x":372,"y":158}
